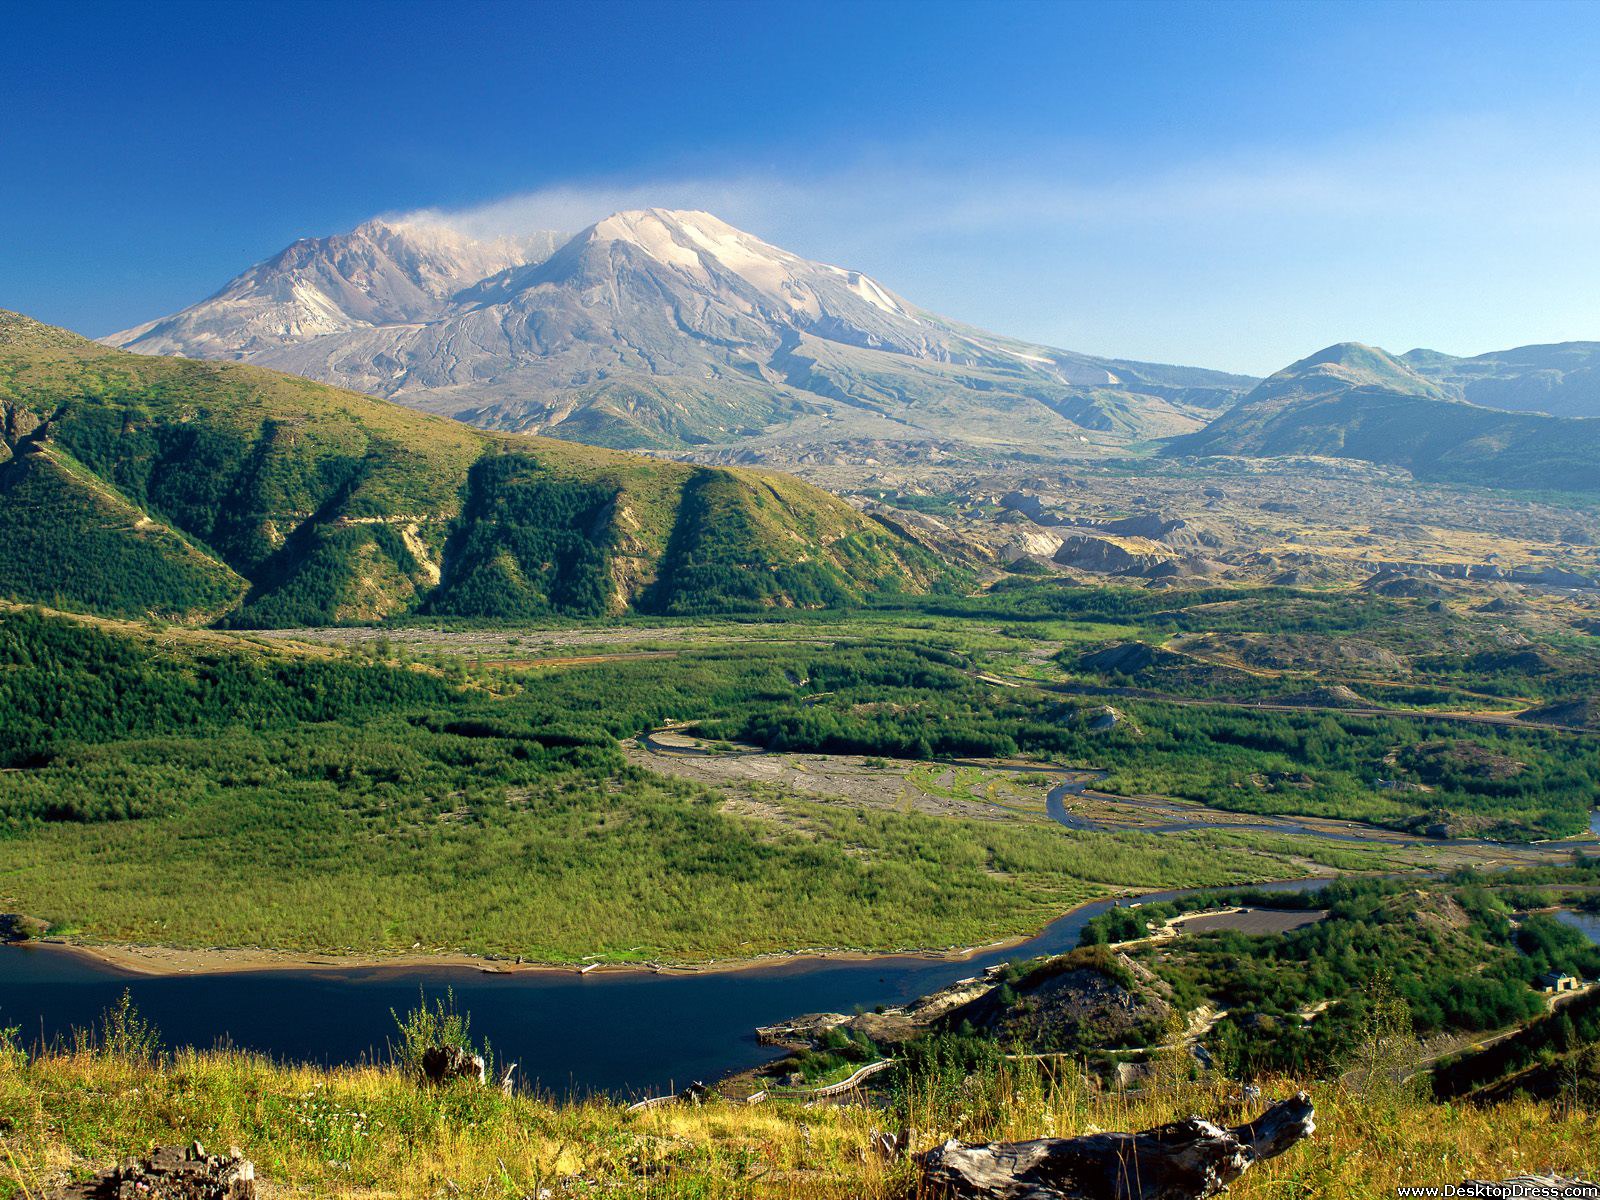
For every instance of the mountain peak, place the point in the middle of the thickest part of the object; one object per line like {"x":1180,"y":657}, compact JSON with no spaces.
{"x":385,"y":271}
{"x":1344,"y":365}
{"x":658,"y":327}
{"x":703,"y":246}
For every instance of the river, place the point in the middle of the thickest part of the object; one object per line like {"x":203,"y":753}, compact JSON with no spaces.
{"x":1586,"y":923}
{"x":623,"y":1033}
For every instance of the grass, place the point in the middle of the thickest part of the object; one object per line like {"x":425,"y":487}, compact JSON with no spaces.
{"x":195,"y":789}
{"x":371,"y":1131}
{"x":640,"y":870}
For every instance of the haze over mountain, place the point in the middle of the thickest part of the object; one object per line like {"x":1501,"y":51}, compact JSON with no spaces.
{"x":1355,"y":401}
{"x":1562,"y":380}
{"x":200,"y":491}
{"x":657,"y":328}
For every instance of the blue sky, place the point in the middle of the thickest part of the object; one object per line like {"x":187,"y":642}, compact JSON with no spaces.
{"x":1230,"y":185}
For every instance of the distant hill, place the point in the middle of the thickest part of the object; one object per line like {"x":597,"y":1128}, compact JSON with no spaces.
{"x":665,"y":329}
{"x":206,"y":492}
{"x":1354,"y":401}
{"x":1562,"y":380}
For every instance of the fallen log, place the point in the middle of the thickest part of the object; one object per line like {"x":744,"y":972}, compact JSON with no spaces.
{"x":1185,"y":1160}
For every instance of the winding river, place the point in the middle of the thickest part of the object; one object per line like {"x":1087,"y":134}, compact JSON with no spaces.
{"x":1189,"y":817}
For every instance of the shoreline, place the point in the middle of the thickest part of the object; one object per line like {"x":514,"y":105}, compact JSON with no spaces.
{"x":175,"y":961}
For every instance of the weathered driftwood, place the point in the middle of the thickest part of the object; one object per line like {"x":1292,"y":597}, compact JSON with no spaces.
{"x":171,"y":1173}
{"x":1182,"y":1161}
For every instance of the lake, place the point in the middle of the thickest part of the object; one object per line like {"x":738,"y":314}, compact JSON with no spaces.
{"x":623,"y":1033}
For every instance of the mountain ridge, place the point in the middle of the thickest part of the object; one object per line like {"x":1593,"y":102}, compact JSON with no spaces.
{"x":222,"y":492}
{"x":1354,"y":401}
{"x":1559,"y":379}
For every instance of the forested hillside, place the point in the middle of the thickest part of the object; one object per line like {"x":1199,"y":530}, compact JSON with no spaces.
{"x":208,"y":492}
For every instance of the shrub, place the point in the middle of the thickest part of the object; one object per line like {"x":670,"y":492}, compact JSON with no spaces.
{"x":423,"y":1028}
{"x":123,"y":1034}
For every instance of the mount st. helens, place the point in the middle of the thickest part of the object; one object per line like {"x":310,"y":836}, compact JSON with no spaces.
{"x":203,"y":492}
{"x":665,"y":329}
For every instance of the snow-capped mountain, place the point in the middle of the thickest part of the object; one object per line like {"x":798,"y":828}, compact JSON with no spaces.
{"x":380,"y":273}
{"x":662,"y":328}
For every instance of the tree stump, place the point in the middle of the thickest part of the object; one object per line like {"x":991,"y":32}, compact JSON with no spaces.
{"x":441,"y":1064}
{"x":1186,"y":1160}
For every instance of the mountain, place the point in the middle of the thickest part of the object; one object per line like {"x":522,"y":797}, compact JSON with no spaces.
{"x":220,"y":492}
{"x":1562,"y":380}
{"x":669,"y":329}
{"x":380,"y":273}
{"x":1344,"y":367}
{"x":1354,"y":401}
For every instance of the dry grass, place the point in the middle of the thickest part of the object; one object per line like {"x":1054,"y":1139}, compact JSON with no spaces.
{"x":370,"y":1132}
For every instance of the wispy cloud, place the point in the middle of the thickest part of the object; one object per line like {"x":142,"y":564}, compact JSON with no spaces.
{"x":1471,"y":169}
{"x":1466,"y":235}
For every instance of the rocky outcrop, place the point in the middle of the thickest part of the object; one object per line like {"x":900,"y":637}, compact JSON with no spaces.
{"x":1534,"y":576}
{"x":799,"y":1031}
{"x":887,"y":1028}
{"x":171,"y":1173}
{"x":1334,"y":696}
{"x":1103,"y":719}
{"x":1020,"y":502}
{"x":1126,"y":658}
{"x":1581,"y":712}
{"x":1089,"y":997}
{"x":1164,"y":528}
{"x":1110,"y":556}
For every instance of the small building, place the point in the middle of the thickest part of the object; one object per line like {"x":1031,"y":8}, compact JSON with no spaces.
{"x":1556,"y":982}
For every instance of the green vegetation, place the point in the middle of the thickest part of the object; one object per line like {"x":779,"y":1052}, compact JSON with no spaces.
{"x":1406,"y":773}
{"x":210,"y":791}
{"x":1448,"y":951}
{"x":731,"y":550}
{"x":196,"y":491}
{"x":529,"y":543}
{"x":66,"y":537}
{"x":1559,"y":1044}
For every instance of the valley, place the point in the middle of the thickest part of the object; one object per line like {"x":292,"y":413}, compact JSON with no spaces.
{"x":728,"y":600}
{"x":305,"y":690}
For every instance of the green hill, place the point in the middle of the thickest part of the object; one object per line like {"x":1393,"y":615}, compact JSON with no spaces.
{"x":1353,"y":401}
{"x":211,"y":492}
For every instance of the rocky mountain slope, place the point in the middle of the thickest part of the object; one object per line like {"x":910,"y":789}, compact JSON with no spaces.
{"x":203,"y":492}
{"x":1353,"y":401}
{"x":669,"y":329}
{"x":1562,"y":380}
{"x":380,"y":273}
